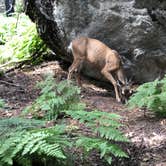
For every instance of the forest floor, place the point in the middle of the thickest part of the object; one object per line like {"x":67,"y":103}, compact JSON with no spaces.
{"x":146,"y":132}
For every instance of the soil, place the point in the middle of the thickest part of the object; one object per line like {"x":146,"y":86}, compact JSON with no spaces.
{"x":146,"y":132}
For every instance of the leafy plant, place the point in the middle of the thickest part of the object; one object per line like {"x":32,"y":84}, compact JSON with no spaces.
{"x":64,"y":98}
{"x":15,"y":124}
{"x":22,"y":147}
{"x":8,"y":29}
{"x":152,"y":96}
{"x":104,"y":126}
{"x":26,"y":140}
{"x":2,"y":103}
{"x":55,"y":99}
{"x":20,"y":40}
{"x":19,"y":6}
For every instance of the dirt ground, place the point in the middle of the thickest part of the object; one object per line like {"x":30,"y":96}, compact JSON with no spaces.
{"x":146,"y":132}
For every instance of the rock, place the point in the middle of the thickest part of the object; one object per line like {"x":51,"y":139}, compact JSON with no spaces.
{"x":2,"y":7}
{"x":136,"y":29}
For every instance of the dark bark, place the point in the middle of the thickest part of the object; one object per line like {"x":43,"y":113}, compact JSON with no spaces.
{"x":9,"y":4}
{"x":41,"y":12}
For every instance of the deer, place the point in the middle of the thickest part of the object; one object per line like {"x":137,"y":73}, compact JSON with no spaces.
{"x":97,"y":54}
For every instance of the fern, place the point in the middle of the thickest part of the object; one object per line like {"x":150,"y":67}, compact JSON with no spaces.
{"x":8,"y":126}
{"x":104,"y":125}
{"x":64,"y":98}
{"x":55,"y":99}
{"x":44,"y":143}
{"x":103,"y":146}
{"x":2,"y":103}
{"x":152,"y":96}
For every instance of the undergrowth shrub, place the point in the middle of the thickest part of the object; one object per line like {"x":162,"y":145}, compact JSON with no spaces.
{"x":53,"y":146}
{"x":104,"y":128}
{"x":64,"y":97}
{"x":19,"y":40}
{"x":151,"y":95}
{"x":45,"y":144}
{"x":15,"y":124}
{"x":2,"y":103}
{"x":8,"y":29}
{"x":55,"y":99}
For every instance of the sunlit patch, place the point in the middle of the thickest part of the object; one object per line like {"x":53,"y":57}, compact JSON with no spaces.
{"x":153,"y":141}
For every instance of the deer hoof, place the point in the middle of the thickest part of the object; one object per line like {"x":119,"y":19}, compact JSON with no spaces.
{"x":118,"y":100}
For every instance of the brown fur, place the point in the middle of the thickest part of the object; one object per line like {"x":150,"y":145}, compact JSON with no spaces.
{"x":97,"y":54}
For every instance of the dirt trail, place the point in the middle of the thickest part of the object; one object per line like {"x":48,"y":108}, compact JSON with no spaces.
{"x":147,"y":133}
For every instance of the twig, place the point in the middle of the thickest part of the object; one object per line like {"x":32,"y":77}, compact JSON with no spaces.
{"x":8,"y":63}
{"x":18,"y":15}
{"x":11,"y":62}
{"x":19,"y":65}
{"x":9,"y":83}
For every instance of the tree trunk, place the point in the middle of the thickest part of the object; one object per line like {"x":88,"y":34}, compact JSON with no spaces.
{"x":9,"y":4}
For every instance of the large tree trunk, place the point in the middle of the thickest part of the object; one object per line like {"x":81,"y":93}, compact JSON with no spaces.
{"x":9,"y":4}
{"x":135,"y":28}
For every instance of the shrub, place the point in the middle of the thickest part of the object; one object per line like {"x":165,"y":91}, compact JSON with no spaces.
{"x":104,"y":128}
{"x":20,"y":40}
{"x":44,"y":145}
{"x":2,"y":103}
{"x":55,"y":99}
{"x":152,"y":96}
{"x":64,"y":98}
{"x":24,"y":140}
{"x":15,"y":124}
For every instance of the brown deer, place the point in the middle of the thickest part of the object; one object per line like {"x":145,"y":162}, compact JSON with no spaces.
{"x":95,"y":53}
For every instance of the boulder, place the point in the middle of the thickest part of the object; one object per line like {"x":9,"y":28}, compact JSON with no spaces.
{"x":135,"y":28}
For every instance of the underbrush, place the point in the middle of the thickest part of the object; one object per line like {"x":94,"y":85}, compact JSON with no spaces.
{"x":151,"y":96}
{"x":2,"y":103}
{"x":19,"y":40}
{"x":37,"y":143}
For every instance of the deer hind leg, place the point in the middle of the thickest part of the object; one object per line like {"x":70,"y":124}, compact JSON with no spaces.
{"x":107,"y":73}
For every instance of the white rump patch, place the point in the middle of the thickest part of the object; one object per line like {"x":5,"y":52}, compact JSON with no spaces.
{"x":70,"y":47}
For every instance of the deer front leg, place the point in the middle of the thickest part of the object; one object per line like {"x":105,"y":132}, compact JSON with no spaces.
{"x":76,"y":67}
{"x":73,"y":68}
{"x":109,"y":76}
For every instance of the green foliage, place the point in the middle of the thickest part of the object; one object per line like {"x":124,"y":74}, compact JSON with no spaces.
{"x":55,"y":99}
{"x":25,"y":140}
{"x":2,"y":103}
{"x":152,"y":96}
{"x":9,"y":125}
{"x":19,"y":40}
{"x":104,"y":126}
{"x":7,"y":27}
{"x":19,"y":6}
{"x":25,"y":145}
{"x":64,"y":98}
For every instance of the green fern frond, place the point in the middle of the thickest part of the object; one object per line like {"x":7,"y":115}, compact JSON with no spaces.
{"x":36,"y":142}
{"x":55,"y":99}
{"x":64,"y":98}
{"x":2,"y":103}
{"x":152,"y":96}
{"x":11,"y":125}
{"x":104,"y":147}
{"x":111,"y":133}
